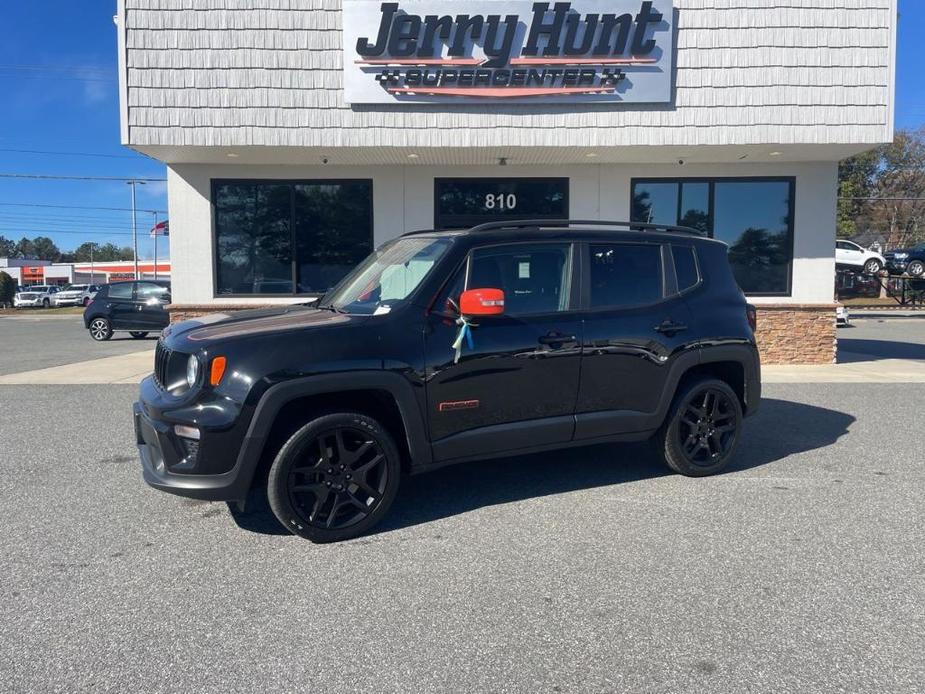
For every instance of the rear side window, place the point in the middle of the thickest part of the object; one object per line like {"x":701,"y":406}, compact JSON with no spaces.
{"x":625,"y":275}
{"x":149,"y":290}
{"x":120,"y":291}
{"x":685,"y":267}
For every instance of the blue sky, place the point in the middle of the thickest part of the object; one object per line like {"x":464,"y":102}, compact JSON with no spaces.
{"x":58,"y":75}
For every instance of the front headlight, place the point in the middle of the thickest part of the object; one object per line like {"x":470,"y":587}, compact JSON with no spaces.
{"x":192,"y":370}
{"x":901,"y":256}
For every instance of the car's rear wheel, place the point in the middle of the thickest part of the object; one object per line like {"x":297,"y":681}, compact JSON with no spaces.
{"x":702,"y":430}
{"x":335,"y":478}
{"x":873,"y":266}
{"x":100,"y":329}
{"x":916,"y":268}
{"x":138,"y":334}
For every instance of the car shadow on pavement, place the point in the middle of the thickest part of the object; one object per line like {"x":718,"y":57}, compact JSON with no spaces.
{"x":780,"y":429}
{"x":853,"y":351}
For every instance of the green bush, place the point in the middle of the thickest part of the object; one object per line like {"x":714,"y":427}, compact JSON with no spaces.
{"x":7,"y":289}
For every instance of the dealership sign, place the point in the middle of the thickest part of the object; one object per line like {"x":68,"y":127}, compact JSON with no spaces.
{"x":427,"y":51}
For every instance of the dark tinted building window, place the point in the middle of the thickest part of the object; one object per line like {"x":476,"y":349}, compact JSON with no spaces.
{"x":535,"y":279}
{"x":753,"y":216}
{"x":625,"y":275}
{"x":465,"y":202}
{"x":282,"y":237}
{"x":685,"y":267}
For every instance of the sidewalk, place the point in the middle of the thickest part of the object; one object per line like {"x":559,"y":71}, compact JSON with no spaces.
{"x":859,"y":369}
{"x":126,"y":368}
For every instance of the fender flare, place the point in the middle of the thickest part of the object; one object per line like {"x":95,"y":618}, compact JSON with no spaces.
{"x":279,"y":395}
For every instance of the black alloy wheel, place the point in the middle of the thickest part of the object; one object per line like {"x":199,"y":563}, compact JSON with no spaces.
{"x":702,"y":431}
{"x":873,"y":266}
{"x":335,"y":478}
{"x":916,"y":268}
{"x":100,"y":329}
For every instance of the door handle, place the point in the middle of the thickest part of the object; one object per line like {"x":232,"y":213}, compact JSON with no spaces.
{"x":556,"y":339}
{"x":669,"y":327}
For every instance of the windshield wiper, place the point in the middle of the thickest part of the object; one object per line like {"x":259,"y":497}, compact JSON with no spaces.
{"x":329,"y":307}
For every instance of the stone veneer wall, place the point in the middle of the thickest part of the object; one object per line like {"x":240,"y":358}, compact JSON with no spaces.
{"x":787,"y":333}
{"x":797,"y":333}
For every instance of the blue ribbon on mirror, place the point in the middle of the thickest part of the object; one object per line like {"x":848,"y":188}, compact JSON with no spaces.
{"x":464,"y":334}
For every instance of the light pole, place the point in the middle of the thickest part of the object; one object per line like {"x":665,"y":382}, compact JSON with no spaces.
{"x":134,"y":182}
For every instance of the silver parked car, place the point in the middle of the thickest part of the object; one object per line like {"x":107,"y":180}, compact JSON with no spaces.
{"x":36,"y":296}
{"x":76,"y":295}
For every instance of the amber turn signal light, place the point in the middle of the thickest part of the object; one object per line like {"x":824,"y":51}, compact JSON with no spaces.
{"x":217,"y":370}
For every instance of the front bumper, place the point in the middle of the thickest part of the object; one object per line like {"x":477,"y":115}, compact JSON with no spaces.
{"x":159,"y":449}
{"x":26,"y":303}
{"x":75,"y":301}
{"x":897,"y":267}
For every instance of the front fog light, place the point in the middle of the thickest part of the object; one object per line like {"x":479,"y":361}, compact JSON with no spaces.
{"x":192,"y":370}
{"x":186,"y":432}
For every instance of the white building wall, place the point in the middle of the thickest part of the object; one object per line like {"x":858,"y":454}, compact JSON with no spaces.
{"x":403,"y":200}
{"x":226,"y":73}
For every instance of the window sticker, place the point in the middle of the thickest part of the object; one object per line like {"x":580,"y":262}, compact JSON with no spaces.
{"x":523,"y":270}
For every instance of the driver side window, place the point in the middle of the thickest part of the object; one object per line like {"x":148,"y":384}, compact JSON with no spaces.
{"x":535,"y":278}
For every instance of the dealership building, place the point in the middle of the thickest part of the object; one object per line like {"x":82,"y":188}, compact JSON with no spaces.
{"x":300,"y":134}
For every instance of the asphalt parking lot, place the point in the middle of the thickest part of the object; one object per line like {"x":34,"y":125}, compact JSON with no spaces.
{"x":801,"y":569}
{"x":37,"y":342}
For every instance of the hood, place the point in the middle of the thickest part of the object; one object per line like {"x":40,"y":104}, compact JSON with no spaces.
{"x":28,"y":295}
{"x":199,"y":332}
{"x":71,"y":294}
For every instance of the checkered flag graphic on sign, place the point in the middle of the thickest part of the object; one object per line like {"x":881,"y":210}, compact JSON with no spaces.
{"x":388,"y":78}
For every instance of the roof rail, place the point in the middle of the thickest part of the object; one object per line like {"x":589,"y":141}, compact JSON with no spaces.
{"x":631,"y":226}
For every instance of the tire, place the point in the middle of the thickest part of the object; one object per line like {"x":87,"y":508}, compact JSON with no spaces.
{"x":138,"y":334}
{"x":86,"y":301}
{"x":690,"y":430}
{"x":100,"y":329}
{"x":325,"y":459}
{"x":916,"y":268}
{"x":873,"y":267}
{"x":45,"y":303}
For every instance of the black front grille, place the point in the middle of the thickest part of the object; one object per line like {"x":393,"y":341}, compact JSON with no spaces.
{"x":161,"y":360}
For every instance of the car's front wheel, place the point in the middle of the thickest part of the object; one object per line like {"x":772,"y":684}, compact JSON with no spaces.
{"x":45,"y":303}
{"x":702,"y":430}
{"x":100,"y":329}
{"x":916,"y":268}
{"x":86,"y":301}
{"x":873,"y":266}
{"x":335,"y":478}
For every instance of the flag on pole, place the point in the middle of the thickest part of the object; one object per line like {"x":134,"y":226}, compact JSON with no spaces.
{"x":160,"y":229}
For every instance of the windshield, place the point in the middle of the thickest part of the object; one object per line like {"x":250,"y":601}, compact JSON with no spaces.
{"x":387,"y":277}
{"x":74,"y":288}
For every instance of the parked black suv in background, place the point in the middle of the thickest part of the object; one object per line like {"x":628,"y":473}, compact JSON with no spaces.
{"x":444,"y":347}
{"x":136,"y":307}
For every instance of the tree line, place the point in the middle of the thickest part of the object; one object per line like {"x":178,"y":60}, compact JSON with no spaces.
{"x":43,"y":248}
{"x":881,"y":193}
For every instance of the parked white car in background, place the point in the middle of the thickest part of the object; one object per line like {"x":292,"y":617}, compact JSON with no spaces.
{"x":852,"y":255}
{"x":842,"y":317}
{"x":76,"y":295}
{"x":37,"y":296}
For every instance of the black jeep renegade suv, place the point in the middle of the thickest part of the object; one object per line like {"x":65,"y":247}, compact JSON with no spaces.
{"x":449,"y":346}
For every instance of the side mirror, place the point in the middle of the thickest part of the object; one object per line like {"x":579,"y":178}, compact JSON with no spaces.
{"x":482,"y":302}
